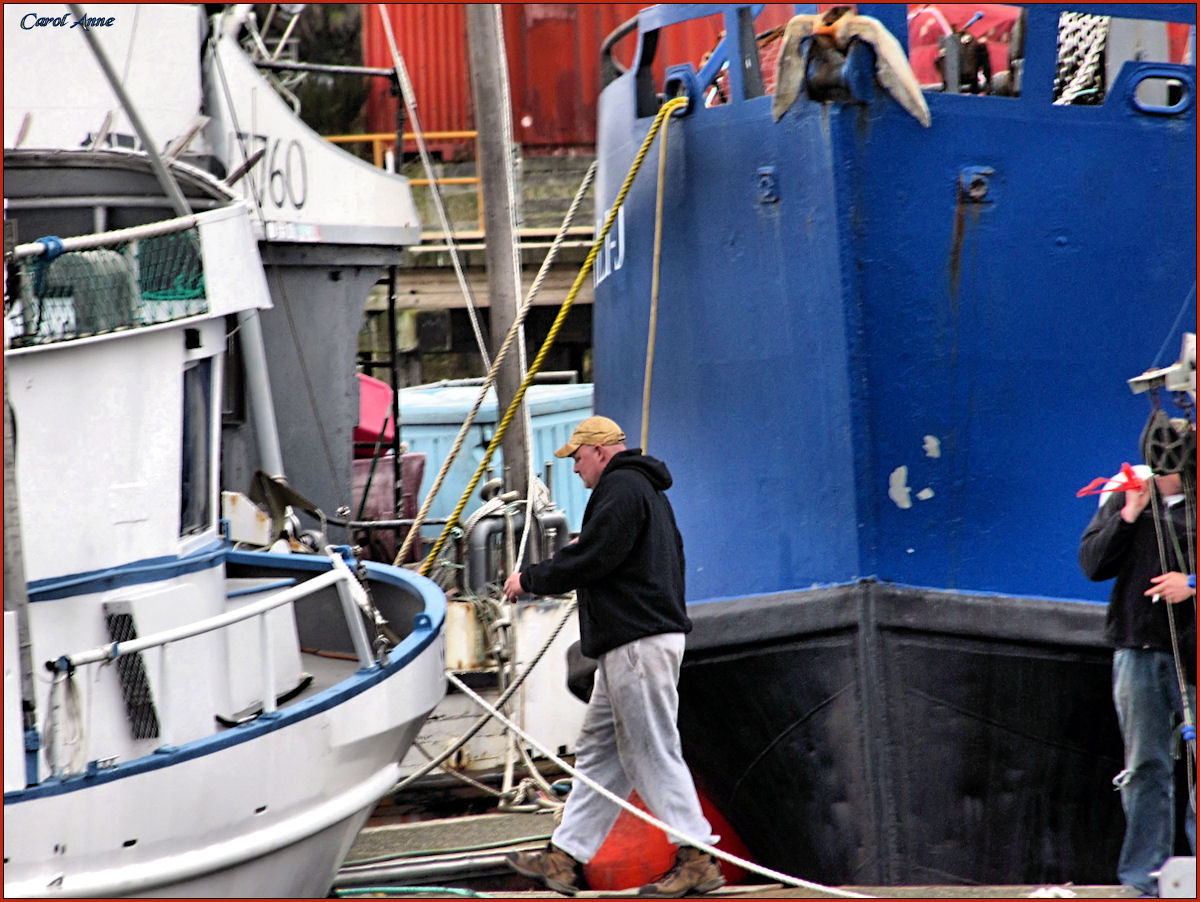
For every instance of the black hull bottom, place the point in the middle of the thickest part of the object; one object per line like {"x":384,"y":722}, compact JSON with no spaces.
{"x":877,"y":735}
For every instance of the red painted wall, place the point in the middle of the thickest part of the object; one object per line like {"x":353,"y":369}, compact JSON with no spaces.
{"x":553,"y":60}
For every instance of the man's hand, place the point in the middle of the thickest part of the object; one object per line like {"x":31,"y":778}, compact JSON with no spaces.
{"x":1171,"y":586}
{"x":512,"y":586}
{"x":1135,"y":502}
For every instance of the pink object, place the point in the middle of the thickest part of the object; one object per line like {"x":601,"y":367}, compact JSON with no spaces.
{"x":374,"y":406}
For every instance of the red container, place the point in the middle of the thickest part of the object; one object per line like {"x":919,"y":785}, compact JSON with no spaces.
{"x":432,"y":40}
{"x":374,"y":406}
{"x":553,"y":52}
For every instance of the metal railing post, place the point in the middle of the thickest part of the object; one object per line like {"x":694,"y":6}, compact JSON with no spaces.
{"x":268,"y":663}
{"x":164,"y":720}
{"x":358,"y":632}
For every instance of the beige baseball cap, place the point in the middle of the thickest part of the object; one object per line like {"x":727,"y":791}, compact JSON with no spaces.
{"x":592,"y":431}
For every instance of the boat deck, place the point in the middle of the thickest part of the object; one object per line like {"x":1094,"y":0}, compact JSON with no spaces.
{"x":464,"y":855}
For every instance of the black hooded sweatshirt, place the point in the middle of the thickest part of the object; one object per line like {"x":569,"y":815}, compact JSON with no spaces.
{"x":1110,"y":548}
{"x":627,"y":566}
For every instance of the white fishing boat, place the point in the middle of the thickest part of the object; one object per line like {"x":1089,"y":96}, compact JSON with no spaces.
{"x":200,"y":698}
{"x":213,"y":102}
{"x":182,"y":716}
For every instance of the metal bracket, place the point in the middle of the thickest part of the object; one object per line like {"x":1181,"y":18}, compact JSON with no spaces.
{"x":768,"y":185}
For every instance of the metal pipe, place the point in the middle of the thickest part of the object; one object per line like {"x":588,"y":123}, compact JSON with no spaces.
{"x":420,"y":872}
{"x":394,"y":369}
{"x":254,"y":358}
{"x":354,"y":623}
{"x":165,"y":179}
{"x":117,"y":236}
{"x":382,"y":524}
{"x":94,"y":200}
{"x":555,"y":376}
{"x":268,"y":663}
{"x":481,"y":535}
{"x":165,"y":720}
{"x":325,"y":67}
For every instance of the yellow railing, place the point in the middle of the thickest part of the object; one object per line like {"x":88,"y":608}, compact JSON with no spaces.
{"x":381,"y":141}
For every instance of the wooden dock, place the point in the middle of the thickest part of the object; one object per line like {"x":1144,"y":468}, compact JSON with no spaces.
{"x":464,"y":857}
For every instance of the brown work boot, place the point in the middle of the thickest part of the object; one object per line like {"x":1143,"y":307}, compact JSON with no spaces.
{"x":551,"y":867}
{"x":694,"y":872}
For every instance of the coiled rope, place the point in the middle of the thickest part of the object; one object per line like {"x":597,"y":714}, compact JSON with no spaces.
{"x":667,"y":109}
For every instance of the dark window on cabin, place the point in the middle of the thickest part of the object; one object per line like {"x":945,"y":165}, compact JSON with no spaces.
{"x":195,"y":488}
{"x":233,"y":402}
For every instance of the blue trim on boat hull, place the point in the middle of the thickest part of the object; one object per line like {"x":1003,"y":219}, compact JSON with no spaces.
{"x":132,"y":574}
{"x":428,"y":626}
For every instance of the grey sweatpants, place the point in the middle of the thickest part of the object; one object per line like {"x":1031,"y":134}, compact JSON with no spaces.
{"x":629,"y":740}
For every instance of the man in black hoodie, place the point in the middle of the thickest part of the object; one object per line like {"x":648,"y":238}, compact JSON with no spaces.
{"x":1144,"y":539}
{"x":627,"y":569}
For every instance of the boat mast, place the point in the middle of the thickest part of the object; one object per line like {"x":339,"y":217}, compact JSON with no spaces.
{"x":493,"y":121}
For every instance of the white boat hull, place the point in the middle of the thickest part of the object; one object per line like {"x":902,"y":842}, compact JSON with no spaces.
{"x":236,"y":815}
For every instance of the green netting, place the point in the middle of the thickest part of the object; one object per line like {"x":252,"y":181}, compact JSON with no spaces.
{"x":171,"y":277}
{"x":120,"y":286}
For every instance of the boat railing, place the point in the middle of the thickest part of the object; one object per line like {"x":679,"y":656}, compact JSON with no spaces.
{"x":352,"y":599}
{"x":130,"y":278}
{"x":384,"y":143}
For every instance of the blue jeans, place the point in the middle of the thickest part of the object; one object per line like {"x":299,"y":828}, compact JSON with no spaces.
{"x":1147,"y":699}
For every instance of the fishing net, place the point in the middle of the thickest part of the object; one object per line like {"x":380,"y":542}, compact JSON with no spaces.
{"x":119,"y":285}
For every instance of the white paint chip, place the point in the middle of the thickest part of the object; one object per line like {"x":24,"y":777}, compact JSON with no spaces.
{"x":925,"y":494}
{"x":933,"y":448}
{"x":898,"y":489}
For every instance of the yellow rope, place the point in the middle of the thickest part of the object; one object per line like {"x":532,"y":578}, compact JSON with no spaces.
{"x":414,"y":531}
{"x":667,"y":108}
{"x":650,"y":337}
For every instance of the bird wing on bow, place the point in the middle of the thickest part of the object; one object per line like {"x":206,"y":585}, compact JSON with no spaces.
{"x":789,"y":74}
{"x":891,"y":65}
{"x":892,"y":69}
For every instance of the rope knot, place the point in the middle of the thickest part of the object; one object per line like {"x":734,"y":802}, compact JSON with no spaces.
{"x":53,"y":246}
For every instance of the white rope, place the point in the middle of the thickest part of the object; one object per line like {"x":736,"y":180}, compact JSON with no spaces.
{"x":1082,"y":39}
{"x":409,"y":100}
{"x":484,"y":718}
{"x":650,"y":819}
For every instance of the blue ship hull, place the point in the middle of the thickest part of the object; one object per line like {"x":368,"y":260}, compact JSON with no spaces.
{"x":887,"y":358}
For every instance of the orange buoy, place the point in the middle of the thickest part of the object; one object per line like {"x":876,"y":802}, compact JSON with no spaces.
{"x":635,"y":853}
